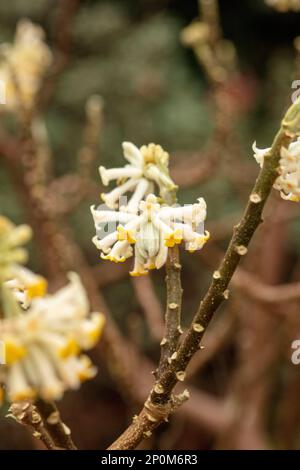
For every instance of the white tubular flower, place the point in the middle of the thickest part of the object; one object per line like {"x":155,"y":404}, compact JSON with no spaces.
{"x":11,"y":251}
{"x":288,"y":181}
{"x":147,"y":166}
{"x":23,"y":64}
{"x":152,"y":232}
{"x":26,"y":285}
{"x":43,"y":345}
{"x":284,"y":5}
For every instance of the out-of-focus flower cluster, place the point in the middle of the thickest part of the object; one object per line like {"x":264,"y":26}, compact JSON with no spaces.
{"x":23,"y":64}
{"x":43,"y":344}
{"x":284,"y":5}
{"x":43,"y":335}
{"x":12,"y":253}
{"x":145,"y":221}
{"x":288,"y":181}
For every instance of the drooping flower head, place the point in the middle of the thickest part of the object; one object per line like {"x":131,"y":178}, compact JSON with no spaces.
{"x":151,"y":232}
{"x":147,"y":168}
{"x":284,"y":5}
{"x":43,"y":344}
{"x":288,"y":181}
{"x":23,"y":64}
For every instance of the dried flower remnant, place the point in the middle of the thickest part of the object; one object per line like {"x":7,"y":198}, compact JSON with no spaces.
{"x":152,"y":232}
{"x":148,"y":166}
{"x":43,"y":344}
{"x":288,"y":181}
{"x":284,"y":5}
{"x":23,"y":64}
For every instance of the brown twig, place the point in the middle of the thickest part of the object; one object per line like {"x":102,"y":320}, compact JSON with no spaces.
{"x":27,"y":414}
{"x":173,"y":329}
{"x":215,"y":338}
{"x":56,"y":428}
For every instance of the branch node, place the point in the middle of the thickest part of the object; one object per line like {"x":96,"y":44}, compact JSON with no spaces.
{"x":217,"y":275}
{"x":255,"y":198}
{"x":226,"y":294}
{"x":198,"y":327}
{"x":159,"y":389}
{"x":180,"y":375}
{"x":241,"y":250}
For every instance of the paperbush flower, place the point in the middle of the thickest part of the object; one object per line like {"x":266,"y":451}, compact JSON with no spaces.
{"x":284,"y":5}
{"x":288,"y":181}
{"x":43,"y":344}
{"x":151,"y":232}
{"x":12,"y":239}
{"x":23,"y":64}
{"x":148,"y":166}
{"x":26,"y":285}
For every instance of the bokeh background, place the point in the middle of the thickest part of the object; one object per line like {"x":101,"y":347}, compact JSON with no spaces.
{"x":154,"y":90}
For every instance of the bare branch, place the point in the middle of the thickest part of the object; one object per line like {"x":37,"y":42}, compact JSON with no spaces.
{"x":57,"y":429}
{"x":26,"y":413}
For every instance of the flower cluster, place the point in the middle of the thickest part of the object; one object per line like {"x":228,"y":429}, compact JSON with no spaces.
{"x":151,"y":232}
{"x":145,"y":227}
{"x":146,"y":167}
{"x":43,"y":335}
{"x":43,"y":344}
{"x":23,"y":64}
{"x":12,"y":253}
{"x":284,"y":5}
{"x":288,"y":181}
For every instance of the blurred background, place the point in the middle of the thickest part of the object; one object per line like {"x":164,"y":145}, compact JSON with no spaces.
{"x":244,"y":387}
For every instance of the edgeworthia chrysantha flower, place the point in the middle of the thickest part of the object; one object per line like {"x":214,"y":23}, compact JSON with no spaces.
{"x":12,"y":239}
{"x":25,"y":284}
{"x":288,"y":181}
{"x":23,"y":64}
{"x":43,"y":344}
{"x":284,"y":5}
{"x":147,"y":167}
{"x":151,"y":232}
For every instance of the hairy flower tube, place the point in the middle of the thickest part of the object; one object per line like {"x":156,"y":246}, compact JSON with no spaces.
{"x":148,"y":166}
{"x":12,"y":239}
{"x":23,"y":64}
{"x":151,"y":232}
{"x":288,"y":181}
{"x":43,"y":344}
{"x":284,"y":5}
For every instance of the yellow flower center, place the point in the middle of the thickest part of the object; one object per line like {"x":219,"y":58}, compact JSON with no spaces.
{"x":154,"y":154}
{"x":13,"y":352}
{"x":71,"y":348}
{"x":25,"y":394}
{"x":125,"y":235}
{"x":38,"y":289}
{"x":174,"y":238}
{"x":95,"y":332}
